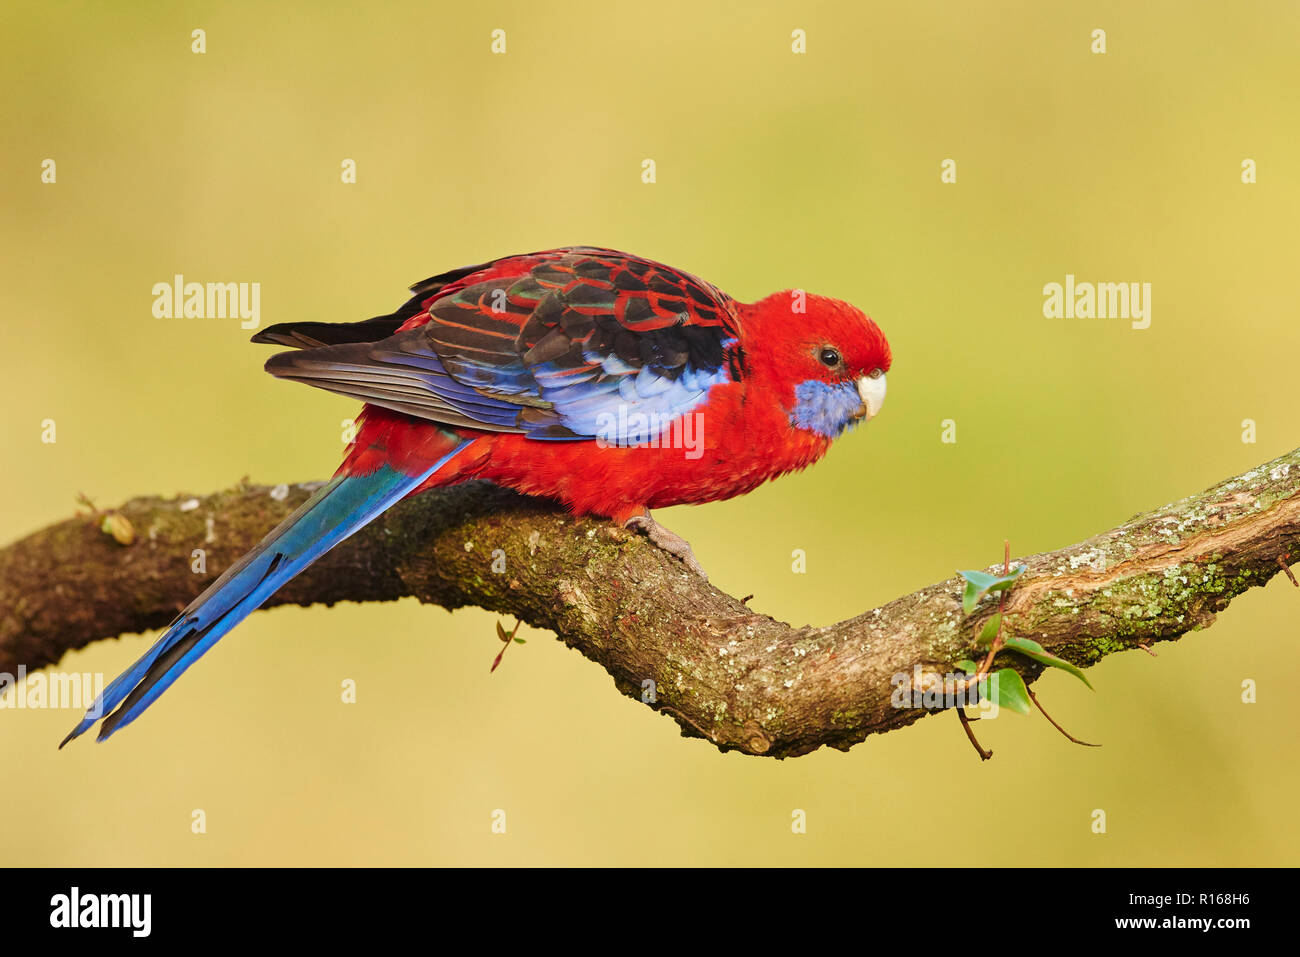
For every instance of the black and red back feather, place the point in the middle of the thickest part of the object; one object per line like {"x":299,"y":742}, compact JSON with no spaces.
{"x":545,"y":344}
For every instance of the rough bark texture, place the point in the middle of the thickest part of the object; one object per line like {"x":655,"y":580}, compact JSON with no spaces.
{"x":740,"y":679}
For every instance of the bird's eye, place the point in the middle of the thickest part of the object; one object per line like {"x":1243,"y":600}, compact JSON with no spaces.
{"x":829,"y":357}
{"x":875,"y":374}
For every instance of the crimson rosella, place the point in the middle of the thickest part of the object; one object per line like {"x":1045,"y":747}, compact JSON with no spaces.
{"x":607,"y":382}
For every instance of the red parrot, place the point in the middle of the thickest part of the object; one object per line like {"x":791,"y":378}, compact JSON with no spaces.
{"x":607,"y":382}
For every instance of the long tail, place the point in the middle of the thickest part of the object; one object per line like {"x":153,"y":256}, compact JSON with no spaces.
{"x":341,"y":507}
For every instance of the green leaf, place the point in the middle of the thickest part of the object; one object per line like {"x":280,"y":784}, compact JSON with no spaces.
{"x":990,"y":630}
{"x":1008,"y":689}
{"x":981,"y":580}
{"x":1032,"y":649}
{"x":968,"y":666}
{"x":116,"y":524}
{"x":1009,"y":579}
{"x":979,"y":584}
{"x":520,"y":641}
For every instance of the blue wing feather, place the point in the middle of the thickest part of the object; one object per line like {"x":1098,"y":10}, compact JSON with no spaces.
{"x":334,"y":512}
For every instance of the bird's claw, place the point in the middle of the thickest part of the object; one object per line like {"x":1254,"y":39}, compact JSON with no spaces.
{"x":668,"y":540}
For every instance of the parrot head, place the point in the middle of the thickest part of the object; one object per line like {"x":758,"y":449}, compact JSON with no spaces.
{"x":824,"y":359}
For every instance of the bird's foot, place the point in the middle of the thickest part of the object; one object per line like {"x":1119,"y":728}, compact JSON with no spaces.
{"x":668,"y":540}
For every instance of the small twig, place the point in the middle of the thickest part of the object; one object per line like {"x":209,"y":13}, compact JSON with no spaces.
{"x":508,"y":638}
{"x":970,"y":733}
{"x":1034,"y":698}
{"x":996,"y":644}
{"x":1281,"y":560}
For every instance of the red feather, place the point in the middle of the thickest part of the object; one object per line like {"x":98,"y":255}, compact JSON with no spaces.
{"x":743,"y":431}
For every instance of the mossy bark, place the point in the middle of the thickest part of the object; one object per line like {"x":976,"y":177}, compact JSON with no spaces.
{"x":740,"y":679}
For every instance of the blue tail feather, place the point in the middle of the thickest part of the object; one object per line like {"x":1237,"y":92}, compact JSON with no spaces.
{"x":341,"y":507}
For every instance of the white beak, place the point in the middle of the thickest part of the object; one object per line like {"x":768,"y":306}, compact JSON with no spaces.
{"x":873,"y":395}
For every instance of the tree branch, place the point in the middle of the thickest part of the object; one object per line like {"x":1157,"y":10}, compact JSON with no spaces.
{"x":740,"y":679}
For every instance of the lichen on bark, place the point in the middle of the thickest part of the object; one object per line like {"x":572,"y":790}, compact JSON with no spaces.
{"x":721,"y":670}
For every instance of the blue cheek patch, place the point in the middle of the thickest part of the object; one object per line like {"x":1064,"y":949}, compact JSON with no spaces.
{"x":824,"y":408}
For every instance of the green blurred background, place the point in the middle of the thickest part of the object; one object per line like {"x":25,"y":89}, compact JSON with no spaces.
{"x":774,"y":170}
